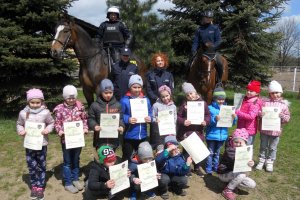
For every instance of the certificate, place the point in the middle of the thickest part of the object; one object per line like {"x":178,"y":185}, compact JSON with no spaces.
{"x":118,"y":173}
{"x":109,"y":125}
{"x":148,"y":175}
{"x":34,"y":138}
{"x":238,"y":99}
{"x":226,"y":116}
{"x":166,"y":123}
{"x":242,"y":156}
{"x":139,"y":109}
{"x":195,"y":112}
{"x":195,"y":147}
{"x":271,"y":120}
{"x":74,"y":134}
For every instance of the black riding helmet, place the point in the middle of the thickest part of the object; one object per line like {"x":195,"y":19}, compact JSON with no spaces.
{"x":208,"y":13}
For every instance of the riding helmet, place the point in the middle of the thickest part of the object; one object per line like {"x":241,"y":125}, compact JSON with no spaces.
{"x":113,"y":10}
{"x":208,"y":13}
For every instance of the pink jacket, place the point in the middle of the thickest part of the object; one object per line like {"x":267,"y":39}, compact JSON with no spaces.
{"x":248,"y":114}
{"x":43,"y":115}
{"x":64,"y":113}
{"x":283,"y":105}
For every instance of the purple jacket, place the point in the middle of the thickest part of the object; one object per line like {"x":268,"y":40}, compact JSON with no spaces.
{"x":248,"y":114}
{"x":184,"y":131}
{"x":283,"y":105}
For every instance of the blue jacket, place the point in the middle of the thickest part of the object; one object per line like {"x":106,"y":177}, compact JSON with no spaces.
{"x":136,"y":131}
{"x":120,"y":75}
{"x":207,"y":33}
{"x":155,"y":79}
{"x":175,"y":166}
{"x":212,"y":131}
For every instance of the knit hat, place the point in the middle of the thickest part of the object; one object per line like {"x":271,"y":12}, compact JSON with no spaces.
{"x":188,"y":87}
{"x":106,"y":85}
{"x":241,"y":134}
{"x":145,"y":150}
{"x":171,"y":139}
{"x":135,"y":79}
{"x":164,"y":88}
{"x":274,"y":86}
{"x":34,"y":94}
{"x":106,"y":154}
{"x":69,"y":91}
{"x":254,"y":86}
{"x":125,"y":52}
{"x":219,"y":93}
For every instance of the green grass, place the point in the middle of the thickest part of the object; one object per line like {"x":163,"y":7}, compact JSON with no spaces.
{"x":283,"y":183}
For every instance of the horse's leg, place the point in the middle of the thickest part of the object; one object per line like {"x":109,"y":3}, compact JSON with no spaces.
{"x":88,"y":94}
{"x":225,"y":70}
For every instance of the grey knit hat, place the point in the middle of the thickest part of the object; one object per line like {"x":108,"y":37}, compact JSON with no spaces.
{"x":106,"y":85}
{"x":171,"y":139}
{"x":188,"y":87}
{"x":69,"y":91}
{"x":145,"y":150}
{"x":135,"y":79}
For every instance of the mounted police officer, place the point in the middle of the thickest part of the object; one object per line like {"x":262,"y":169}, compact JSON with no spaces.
{"x":208,"y":38}
{"x":113,"y":34}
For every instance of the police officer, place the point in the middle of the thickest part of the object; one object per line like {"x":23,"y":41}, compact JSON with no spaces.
{"x":208,"y":39}
{"x":113,"y":34}
{"x":121,"y":72}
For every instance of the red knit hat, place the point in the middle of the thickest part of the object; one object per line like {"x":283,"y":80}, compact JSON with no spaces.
{"x":254,"y":86}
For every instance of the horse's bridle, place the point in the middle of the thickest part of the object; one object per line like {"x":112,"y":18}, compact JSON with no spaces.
{"x":65,"y":43}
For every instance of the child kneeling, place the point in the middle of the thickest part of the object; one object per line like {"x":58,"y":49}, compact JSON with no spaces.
{"x":173,"y":168}
{"x":225,"y":169}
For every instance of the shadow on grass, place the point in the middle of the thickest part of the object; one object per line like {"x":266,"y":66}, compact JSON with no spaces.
{"x":214,"y":184}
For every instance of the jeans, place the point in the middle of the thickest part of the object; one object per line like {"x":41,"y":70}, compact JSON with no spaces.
{"x":212,"y":161}
{"x":251,"y":140}
{"x":71,"y":164}
{"x":268,"y":146}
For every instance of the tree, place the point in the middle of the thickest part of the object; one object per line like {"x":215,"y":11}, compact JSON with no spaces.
{"x":26,"y":29}
{"x":247,"y":44}
{"x":290,"y":36}
{"x":148,"y":36}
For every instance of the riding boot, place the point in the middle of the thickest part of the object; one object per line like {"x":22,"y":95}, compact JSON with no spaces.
{"x":219,"y":67}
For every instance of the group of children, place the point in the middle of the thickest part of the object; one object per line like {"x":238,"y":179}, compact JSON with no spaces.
{"x":173,"y":166}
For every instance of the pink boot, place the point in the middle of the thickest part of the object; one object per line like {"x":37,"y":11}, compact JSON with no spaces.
{"x":228,"y":194}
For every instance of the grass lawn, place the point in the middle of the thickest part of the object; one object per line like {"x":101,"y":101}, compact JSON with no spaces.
{"x":283,"y":183}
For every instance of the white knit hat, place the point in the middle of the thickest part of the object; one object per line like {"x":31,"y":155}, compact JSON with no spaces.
{"x":188,"y":87}
{"x":69,"y":91}
{"x":274,"y":86}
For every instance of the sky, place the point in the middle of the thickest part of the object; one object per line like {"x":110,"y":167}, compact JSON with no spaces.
{"x":94,"y":11}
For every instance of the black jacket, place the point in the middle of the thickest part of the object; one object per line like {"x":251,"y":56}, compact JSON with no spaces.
{"x":98,"y":107}
{"x":227,"y":160}
{"x":98,"y":176}
{"x":120,"y":76}
{"x":156,"y":78}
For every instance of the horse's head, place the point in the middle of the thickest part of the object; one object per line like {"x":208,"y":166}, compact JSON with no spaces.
{"x":62,"y":39}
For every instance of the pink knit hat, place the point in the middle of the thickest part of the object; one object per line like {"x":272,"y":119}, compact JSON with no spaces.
{"x":34,"y":94}
{"x":164,"y":88}
{"x":241,"y":134}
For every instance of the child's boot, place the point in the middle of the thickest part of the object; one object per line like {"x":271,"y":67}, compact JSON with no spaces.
{"x":269,"y":165}
{"x":260,"y":164}
{"x":228,"y":194}
{"x":33,"y":193}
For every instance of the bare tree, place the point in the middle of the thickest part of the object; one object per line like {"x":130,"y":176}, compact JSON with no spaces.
{"x":290,"y":35}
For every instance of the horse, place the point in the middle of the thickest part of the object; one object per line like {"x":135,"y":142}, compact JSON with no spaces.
{"x":94,"y":64}
{"x":203,"y":74}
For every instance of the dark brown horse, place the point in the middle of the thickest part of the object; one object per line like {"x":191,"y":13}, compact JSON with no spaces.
{"x":203,"y":74}
{"x":94,"y":65}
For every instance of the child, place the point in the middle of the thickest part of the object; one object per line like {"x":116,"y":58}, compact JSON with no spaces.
{"x":249,"y":110}
{"x":144,"y":154}
{"x":70,"y":110}
{"x":216,"y":136}
{"x":105,"y":103}
{"x":135,"y":133}
{"x":99,"y":183}
{"x":185,"y":128}
{"x":173,"y":168}
{"x":36,"y":111}
{"x":269,"y":139}
{"x":165,"y":102}
{"x":225,"y":169}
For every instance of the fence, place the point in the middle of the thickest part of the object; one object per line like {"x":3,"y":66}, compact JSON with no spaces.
{"x":287,"y":76}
